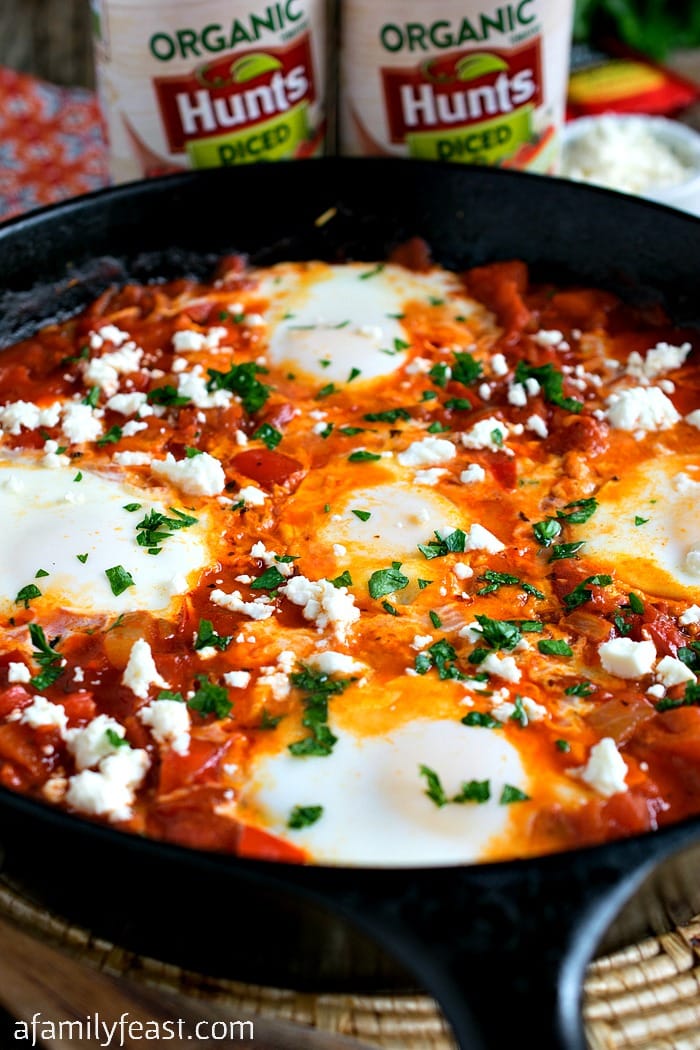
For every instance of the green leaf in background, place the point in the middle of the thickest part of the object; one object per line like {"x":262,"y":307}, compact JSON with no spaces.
{"x":654,"y":27}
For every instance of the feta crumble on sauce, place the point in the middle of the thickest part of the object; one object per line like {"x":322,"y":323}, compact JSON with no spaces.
{"x":289,"y":571}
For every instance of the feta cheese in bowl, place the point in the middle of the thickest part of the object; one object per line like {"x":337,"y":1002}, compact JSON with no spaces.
{"x":647,"y":156}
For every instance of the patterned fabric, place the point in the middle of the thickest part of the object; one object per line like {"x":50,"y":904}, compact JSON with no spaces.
{"x":52,"y":143}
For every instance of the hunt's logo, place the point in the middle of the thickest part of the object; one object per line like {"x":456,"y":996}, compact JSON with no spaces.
{"x":461,"y":89}
{"x":266,"y":92}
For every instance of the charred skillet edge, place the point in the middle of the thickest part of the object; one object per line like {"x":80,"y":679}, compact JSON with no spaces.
{"x":54,"y":260}
{"x":520,"y":931}
{"x":465,"y":933}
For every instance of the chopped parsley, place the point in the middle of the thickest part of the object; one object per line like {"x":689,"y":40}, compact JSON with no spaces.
{"x":458,"y":404}
{"x":363,"y":456}
{"x":344,"y":580}
{"x":268,"y":721}
{"x":434,"y":789}
{"x":166,"y":395}
{"x":566,"y":550}
{"x":690,"y":655}
{"x":169,"y":694}
{"x":440,"y":374}
{"x":119,"y":579}
{"x":27,"y":594}
{"x":270,"y":580}
{"x":155,"y":528}
{"x":471,"y":790}
{"x":453,"y":543}
{"x":552,"y":383}
{"x":115,"y":739}
{"x":326,"y":391}
{"x":372,"y":273}
{"x":437,"y":428}
{"x":387,"y":581}
{"x":500,"y":634}
{"x":210,"y":699}
{"x":690,"y":698}
{"x":39,"y":573}
{"x":350,"y":431}
{"x":581,"y":593}
{"x":389,"y":608}
{"x":391,"y":415}
{"x":304,"y":816}
{"x":207,"y":636}
{"x":546,"y":531}
{"x":318,"y":687}
{"x":474,"y":791}
{"x":435,"y":619}
{"x":78,"y":476}
{"x":442,"y":656}
{"x":640,"y":521}
{"x":580,"y":510}
{"x":354,"y":373}
{"x":268,"y":435}
{"x":512,"y":794}
{"x":92,"y":397}
{"x":132,"y":507}
{"x":82,"y":558}
{"x":482,"y":720}
{"x":636,"y":604}
{"x":562,"y":745}
{"x":422,"y":584}
{"x":554,"y":647}
{"x":44,"y":654}
{"x":495,"y":580}
{"x":363,"y":515}
{"x":242,"y":380}
{"x":465,"y":369}
{"x":191,"y":452}
{"x":580,"y":689}
{"x":110,"y":438}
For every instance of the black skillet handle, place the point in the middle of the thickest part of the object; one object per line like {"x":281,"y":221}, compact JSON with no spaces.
{"x":503,"y":948}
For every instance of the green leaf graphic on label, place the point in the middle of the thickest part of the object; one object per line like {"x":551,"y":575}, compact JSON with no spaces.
{"x":252,"y":66}
{"x":471,"y":67}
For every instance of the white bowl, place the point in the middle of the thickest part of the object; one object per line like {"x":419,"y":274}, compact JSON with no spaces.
{"x":609,"y":150}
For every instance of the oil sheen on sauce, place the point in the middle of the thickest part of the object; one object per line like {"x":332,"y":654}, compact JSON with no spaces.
{"x":474,"y":81}
{"x":203,"y":83}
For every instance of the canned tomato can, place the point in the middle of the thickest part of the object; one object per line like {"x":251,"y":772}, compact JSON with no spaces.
{"x":473,"y":82}
{"x":205,"y":83}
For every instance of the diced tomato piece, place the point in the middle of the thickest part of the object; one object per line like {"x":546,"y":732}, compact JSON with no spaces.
{"x":178,"y":770}
{"x":414,"y":254}
{"x":620,"y":718}
{"x":583,"y":434}
{"x":501,"y":287}
{"x":192,"y":821}
{"x":261,"y":845}
{"x":504,"y":470}
{"x":22,"y":746}
{"x":278,"y":415}
{"x":15,"y":696}
{"x":268,"y":467}
{"x":662,"y":629}
{"x":80,"y":708}
{"x":582,"y":308}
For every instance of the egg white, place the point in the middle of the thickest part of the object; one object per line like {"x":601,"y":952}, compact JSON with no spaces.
{"x":326,"y":320}
{"x":375,"y":810}
{"x":49,"y":518}
{"x":651,"y":555}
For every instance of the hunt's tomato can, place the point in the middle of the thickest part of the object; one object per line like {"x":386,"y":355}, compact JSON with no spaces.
{"x":470,"y":81}
{"x":205,"y":83}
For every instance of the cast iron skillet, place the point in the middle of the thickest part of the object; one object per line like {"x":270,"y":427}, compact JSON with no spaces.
{"x":503,"y":947}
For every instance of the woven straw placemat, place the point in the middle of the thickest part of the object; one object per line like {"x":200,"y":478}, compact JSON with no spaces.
{"x":644,"y":997}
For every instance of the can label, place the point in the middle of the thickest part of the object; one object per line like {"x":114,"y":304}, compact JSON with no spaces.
{"x":485,"y":86}
{"x":206,"y":84}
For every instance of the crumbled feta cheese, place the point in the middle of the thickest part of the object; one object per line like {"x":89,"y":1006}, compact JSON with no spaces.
{"x":693,"y":418}
{"x":605,"y":770}
{"x":480,"y":539}
{"x":427,"y":452}
{"x":339,"y":551}
{"x":323,"y":603}
{"x":485,"y":434}
{"x":691,"y":615}
{"x":537,"y":425}
{"x":18,"y":672}
{"x":169,"y":721}
{"x":430,"y":476}
{"x":132,"y":459}
{"x":661,"y":358}
{"x":268,"y":558}
{"x":80,"y":423}
{"x":472,"y":632}
{"x":421,"y":641}
{"x":419,"y":366}
{"x":130,"y":404}
{"x":462,"y":571}
{"x":330,"y":662}
{"x":190,"y":341}
{"x":241,"y":438}
{"x":499,"y":365}
{"x":193,"y":385}
{"x":41,"y":712}
{"x":277,"y":682}
{"x":252,"y":496}
{"x":532,"y":711}
{"x":109,"y":792}
{"x":78,"y":674}
{"x":484,"y":391}
{"x":91,"y":744}
{"x":52,"y":458}
{"x":133,"y":427}
{"x":104,"y":371}
{"x":626,"y":658}
{"x":141,"y":673}
{"x":108,"y":333}
{"x":201,"y":475}
{"x":237,"y":679}
{"x":551,"y":338}
{"x":27,"y":415}
{"x":503,"y":666}
{"x":517,"y":395}
{"x":641,"y":408}
{"x":670,"y":672}
{"x":473,"y":473}
{"x":657,"y":691}
{"x":259,"y":609}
